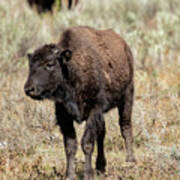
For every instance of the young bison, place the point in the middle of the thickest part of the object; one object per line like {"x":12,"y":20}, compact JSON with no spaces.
{"x":86,"y":74}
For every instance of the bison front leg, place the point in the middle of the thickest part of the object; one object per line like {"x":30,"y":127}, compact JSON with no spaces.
{"x":67,"y":128}
{"x":125,"y":111}
{"x":88,"y":140}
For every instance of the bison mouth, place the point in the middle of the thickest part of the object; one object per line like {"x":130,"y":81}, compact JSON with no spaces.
{"x":41,"y":96}
{"x":38,"y":98}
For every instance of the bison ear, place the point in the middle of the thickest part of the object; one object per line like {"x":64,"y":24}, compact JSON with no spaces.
{"x":29,"y":56}
{"x":66,"y":55}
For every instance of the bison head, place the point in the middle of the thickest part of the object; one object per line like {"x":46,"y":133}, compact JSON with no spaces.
{"x":47,"y":71}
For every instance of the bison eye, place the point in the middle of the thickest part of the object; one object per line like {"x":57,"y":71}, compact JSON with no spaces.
{"x":49,"y":66}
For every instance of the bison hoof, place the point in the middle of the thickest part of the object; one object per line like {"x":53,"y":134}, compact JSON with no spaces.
{"x":72,"y":177}
{"x":88,"y":175}
{"x":100,"y":166}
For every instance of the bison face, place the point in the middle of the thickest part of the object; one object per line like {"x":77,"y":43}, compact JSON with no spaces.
{"x":47,"y":71}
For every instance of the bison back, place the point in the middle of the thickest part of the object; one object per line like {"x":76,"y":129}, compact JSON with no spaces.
{"x":101,"y":63}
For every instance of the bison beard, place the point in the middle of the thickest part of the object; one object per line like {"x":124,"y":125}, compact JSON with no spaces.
{"x":62,"y":95}
{"x":86,"y":74}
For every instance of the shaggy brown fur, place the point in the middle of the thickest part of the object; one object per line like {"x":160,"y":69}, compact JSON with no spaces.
{"x":86,"y":74}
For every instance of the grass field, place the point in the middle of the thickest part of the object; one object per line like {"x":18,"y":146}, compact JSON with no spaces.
{"x":31,"y":145}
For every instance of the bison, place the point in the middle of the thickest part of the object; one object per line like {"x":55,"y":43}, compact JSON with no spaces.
{"x":42,"y":5}
{"x":86,"y":74}
{"x":47,"y":5}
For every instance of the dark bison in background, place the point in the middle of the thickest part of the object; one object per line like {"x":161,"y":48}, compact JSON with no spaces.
{"x":47,"y":5}
{"x":86,"y":74}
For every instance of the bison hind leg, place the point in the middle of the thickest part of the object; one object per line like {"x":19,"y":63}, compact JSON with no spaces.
{"x":125,"y":111}
{"x":100,"y":160}
{"x":94,"y":131}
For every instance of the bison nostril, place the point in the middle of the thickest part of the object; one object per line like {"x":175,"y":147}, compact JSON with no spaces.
{"x":29,"y":90}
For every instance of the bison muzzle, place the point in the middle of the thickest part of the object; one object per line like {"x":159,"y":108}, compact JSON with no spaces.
{"x":86,"y":74}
